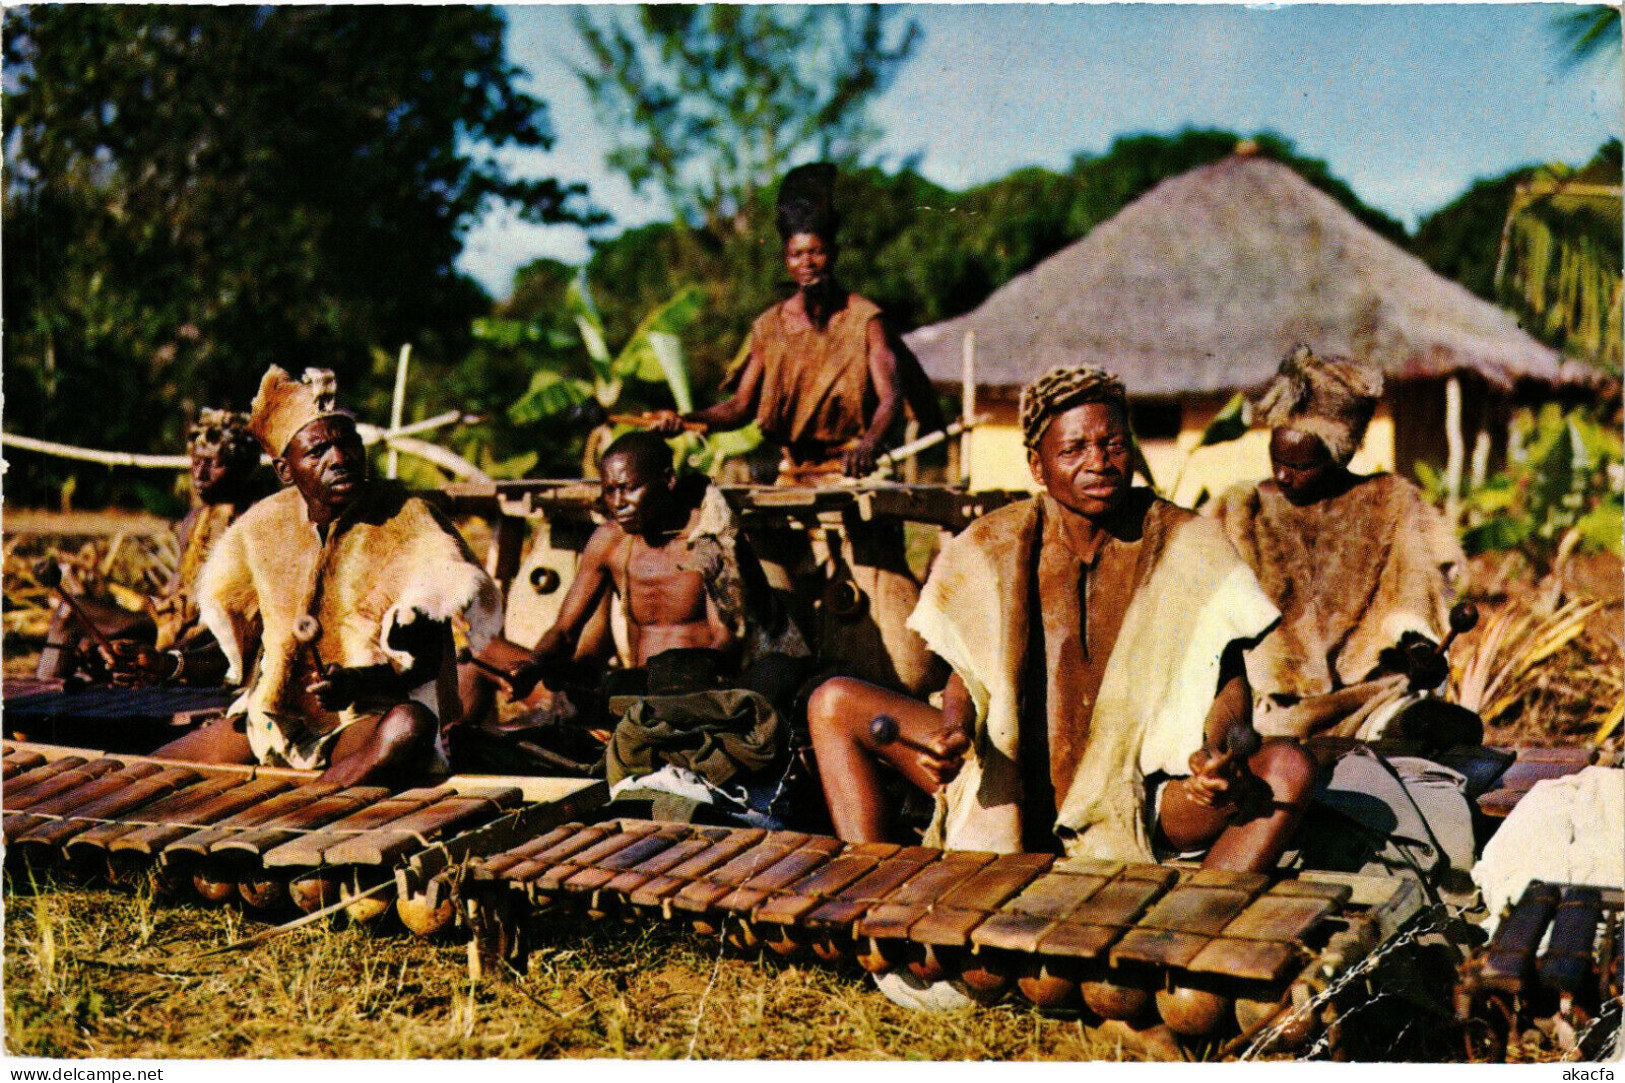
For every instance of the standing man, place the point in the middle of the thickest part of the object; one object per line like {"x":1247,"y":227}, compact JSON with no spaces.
{"x":1095,"y":635}
{"x":821,"y":379}
{"x":340,"y":590}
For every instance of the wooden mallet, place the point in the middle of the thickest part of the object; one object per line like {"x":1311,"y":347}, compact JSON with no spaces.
{"x":883,"y":730}
{"x":1463,"y":619}
{"x":307,"y":630}
{"x":49,"y":575}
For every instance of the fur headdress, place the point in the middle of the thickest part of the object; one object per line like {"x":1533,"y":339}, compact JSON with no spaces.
{"x":284,"y":405}
{"x":1060,"y":389}
{"x":806,"y":202}
{"x":222,"y":434}
{"x":1330,"y":398}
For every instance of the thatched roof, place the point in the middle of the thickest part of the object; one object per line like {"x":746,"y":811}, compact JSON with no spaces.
{"x":1205,"y":282}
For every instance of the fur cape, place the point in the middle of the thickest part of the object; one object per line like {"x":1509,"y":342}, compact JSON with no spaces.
{"x":1350,"y":574}
{"x":1195,"y":598}
{"x":736,"y":585}
{"x":385,"y":563}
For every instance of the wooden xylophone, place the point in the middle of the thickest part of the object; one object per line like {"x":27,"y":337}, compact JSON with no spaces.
{"x":265,"y":836}
{"x":1195,"y":946}
{"x":1556,"y":954}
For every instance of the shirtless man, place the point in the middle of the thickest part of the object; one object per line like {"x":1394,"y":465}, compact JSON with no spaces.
{"x":659,"y":554}
{"x":338,"y":591}
{"x":1100,"y":629}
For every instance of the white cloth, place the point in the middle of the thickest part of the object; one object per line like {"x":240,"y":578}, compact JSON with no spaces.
{"x":1567,"y":830}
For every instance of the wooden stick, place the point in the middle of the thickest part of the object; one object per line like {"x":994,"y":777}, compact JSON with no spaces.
{"x":643,"y":421}
{"x":370,"y":434}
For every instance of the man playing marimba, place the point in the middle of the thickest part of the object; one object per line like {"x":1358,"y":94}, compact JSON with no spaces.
{"x":167,"y":642}
{"x":1360,"y":566}
{"x":690,"y":586}
{"x":1098,"y":703}
{"x":346,"y":587}
{"x":701,"y":622}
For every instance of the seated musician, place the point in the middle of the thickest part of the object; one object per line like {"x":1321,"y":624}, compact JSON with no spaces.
{"x":168,"y":642}
{"x":340,"y":591}
{"x":1359,"y":566}
{"x":824,"y":381}
{"x":699,"y":616}
{"x":1095,"y":635}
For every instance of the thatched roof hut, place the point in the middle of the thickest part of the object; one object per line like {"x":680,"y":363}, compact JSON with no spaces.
{"x":1206,"y":281}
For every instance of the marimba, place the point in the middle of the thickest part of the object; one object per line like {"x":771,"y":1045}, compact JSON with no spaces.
{"x":1555,"y":956}
{"x":262,"y":835}
{"x":1129,"y":941}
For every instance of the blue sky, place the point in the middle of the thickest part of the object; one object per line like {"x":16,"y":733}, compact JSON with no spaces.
{"x":1408,"y":104}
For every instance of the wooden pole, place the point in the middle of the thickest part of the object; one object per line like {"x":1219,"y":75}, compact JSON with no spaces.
{"x":397,"y":407}
{"x":967,"y":406}
{"x":1455,"y":446}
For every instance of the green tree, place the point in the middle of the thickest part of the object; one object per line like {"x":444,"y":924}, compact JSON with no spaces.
{"x":1590,"y":32}
{"x":197,"y":192}
{"x":711,"y":104}
{"x":1543,"y":241}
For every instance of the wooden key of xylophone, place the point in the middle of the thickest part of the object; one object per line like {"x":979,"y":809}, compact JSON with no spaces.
{"x":17,"y":761}
{"x":254,"y":842}
{"x":144,"y":788}
{"x":888,"y":925}
{"x":1180,"y":925}
{"x":698,"y":896}
{"x":87,"y":793}
{"x":626,"y":883}
{"x":1567,"y":962}
{"x":628,"y":832}
{"x":1509,"y":963}
{"x":811,"y":855}
{"x":309,"y":849}
{"x":99,"y":837}
{"x":52,"y":780}
{"x":452,"y":815}
{"x":658,"y":889}
{"x":233,"y":796}
{"x":523,"y":872}
{"x":593,"y":877}
{"x":494,"y":865}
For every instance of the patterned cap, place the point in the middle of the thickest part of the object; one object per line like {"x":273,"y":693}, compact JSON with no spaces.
{"x":1060,"y":389}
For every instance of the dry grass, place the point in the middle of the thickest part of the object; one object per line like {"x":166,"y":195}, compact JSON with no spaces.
{"x":592,"y":990}
{"x":1546,"y":665}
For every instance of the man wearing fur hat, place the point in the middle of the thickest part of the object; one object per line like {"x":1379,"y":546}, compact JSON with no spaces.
{"x":1359,"y":566}
{"x":167,"y":642}
{"x":824,"y":381}
{"x":1098,"y":703}
{"x":341,"y":591}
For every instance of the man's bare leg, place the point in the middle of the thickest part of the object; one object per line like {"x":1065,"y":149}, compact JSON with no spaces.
{"x":393,"y":749}
{"x":1252,"y":845}
{"x":218,"y":742}
{"x":838,"y":714}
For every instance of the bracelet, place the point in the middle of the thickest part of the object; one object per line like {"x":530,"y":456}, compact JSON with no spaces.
{"x":180,"y":665}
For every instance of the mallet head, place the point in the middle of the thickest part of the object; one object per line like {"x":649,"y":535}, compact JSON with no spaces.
{"x":883,"y":729}
{"x":1463,"y":617}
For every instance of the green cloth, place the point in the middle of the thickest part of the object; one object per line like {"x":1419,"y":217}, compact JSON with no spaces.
{"x":715,"y":734}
